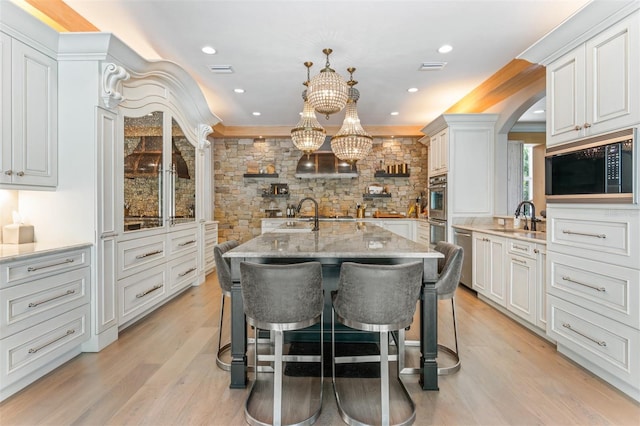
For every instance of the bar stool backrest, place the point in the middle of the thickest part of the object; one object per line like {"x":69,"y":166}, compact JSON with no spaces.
{"x":378,"y":297}
{"x":222,"y":265}
{"x":449,"y":268}
{"x":282,"y":297}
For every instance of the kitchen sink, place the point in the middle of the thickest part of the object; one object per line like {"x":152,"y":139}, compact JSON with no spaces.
{"x":295,"y":226}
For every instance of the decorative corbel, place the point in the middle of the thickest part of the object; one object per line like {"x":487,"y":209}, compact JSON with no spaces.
{"x":202,"y":131}
{"x":112,"y":77}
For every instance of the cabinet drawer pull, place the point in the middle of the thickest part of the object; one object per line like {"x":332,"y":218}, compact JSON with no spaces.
{"x":524,"y":262}
{"x":34,"y":350}
{"x":586,"y":234}
{"x":151,"y":290}
{"x":517,"y":247}
{"x":188,"y":271}
{"x":151,"y":253}
{"x":601,"y":289}
{"x":34,"y":304}
{"x":37,"y":268}
{"x":596,"y":341}
{"x":186,"y":243}
{"x":108,"y":235}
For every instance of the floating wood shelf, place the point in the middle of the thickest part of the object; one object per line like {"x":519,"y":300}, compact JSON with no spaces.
{"x":275,"y":195}
{"x":386,"y":175}
{"x":260,"y":175}
{"x":372,"y":196}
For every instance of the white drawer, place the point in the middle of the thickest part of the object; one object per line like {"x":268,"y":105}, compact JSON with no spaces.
{"x":34,"y":302}
{"x":183,"y":272}
{"x":610,"y":290}
{"x":181,"y":242}
{"x":140,"y":292}
{"x":521,"y":248}
{"x":19,"y":271}
{"x":211,"y":227}
{"x":34,"y":348}
{"x":606,"y":235}
{"x":140,"y":253}
{"x":611,"y":346}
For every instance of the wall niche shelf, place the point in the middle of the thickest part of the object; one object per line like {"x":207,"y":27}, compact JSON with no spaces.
{"x":261,"y":175}
{"x":380,"y":174}
{"x":275,"y":195}
{"x":372,"y":196}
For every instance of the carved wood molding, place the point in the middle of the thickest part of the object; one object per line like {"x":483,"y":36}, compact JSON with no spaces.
{"x":202,"y":131}
{"x":112,"y":77}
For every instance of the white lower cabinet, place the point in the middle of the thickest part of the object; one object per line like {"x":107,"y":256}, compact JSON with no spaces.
{"x":488,"y":267}
{"x":422,"y":232}
{"x":593,"y":286}
{"x":153,"y":269}
{"x":45,"y":317}
{"x":210,"y":240}
{"x":521,"y":279}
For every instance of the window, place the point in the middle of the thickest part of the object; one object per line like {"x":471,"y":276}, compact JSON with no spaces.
{"x":527,"y":171}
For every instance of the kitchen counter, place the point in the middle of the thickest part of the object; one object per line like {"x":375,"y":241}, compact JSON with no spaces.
{"x":12,"y":252}
{"x":502,"y":231}
{"x":336,"y":242}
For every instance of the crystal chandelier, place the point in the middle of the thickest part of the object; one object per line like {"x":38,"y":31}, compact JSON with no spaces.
{"x":351,"y":143}
{"x":328,"y":92}
{"x":308,"y":135}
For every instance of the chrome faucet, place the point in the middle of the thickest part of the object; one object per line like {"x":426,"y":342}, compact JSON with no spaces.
{"x":520,"y":209}
{"x":315,"y":216}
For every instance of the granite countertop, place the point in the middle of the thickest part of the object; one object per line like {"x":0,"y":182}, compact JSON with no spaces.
{"x":505,"y":231}
{"x":334,"y":239}
{"x":12,"y":252}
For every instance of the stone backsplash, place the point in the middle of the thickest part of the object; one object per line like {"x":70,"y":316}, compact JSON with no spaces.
{"x":239,"y":205}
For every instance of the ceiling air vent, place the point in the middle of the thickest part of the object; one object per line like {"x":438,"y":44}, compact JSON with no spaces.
{"x":221,"y":69}
{"x":432,"y":66}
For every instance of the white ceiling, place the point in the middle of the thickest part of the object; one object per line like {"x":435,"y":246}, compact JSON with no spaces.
{"x":266,"y":43}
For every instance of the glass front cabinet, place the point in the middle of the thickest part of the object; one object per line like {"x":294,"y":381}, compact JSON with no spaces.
{"x":159,"y":173}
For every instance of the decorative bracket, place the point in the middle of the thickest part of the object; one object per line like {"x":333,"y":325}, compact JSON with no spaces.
{"x":202,"y":131}
{"x":112,"y":77}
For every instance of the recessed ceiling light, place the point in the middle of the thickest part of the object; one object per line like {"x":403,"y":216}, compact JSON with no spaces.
{"x":238,"y":90}
{"x":395,"y":113}
{"x":538,"y":111}
{"x":412,"y":89}
{"x":209,"y":50}
{"x":256,"y":113}
{"x":445,"y":48}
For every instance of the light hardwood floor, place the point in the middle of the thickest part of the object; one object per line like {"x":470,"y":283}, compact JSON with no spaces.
{"x":162,"y":372}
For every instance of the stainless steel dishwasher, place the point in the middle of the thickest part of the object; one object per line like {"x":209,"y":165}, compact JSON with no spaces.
{"x":463,"y":239}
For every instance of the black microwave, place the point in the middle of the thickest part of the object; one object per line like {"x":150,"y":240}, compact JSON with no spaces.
{"x":594,"y":170}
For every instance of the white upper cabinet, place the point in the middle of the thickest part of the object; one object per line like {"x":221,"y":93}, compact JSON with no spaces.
{"x":29,"y":102}
{"x":439,"y":153}
{"x":595,"y":88}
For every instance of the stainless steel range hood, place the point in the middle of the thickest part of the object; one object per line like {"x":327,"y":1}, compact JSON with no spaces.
{"x":324,"y":164}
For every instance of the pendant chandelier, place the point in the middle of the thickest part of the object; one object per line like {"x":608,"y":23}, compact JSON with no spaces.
{"x":328,"y":92}
{"x":351,"y":143}
{"x":308,"y":135}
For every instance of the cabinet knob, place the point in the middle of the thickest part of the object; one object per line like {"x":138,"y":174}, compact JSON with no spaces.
{"x":577,"y":128}
{"x":20,"y":173}
{"x":8,"y":172}
{"x":536,"y":251}
{"x":587,"y":125}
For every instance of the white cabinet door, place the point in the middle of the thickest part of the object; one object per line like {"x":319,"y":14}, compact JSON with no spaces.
{"x":34,"y":128}
{"x":521,"y":279}
{"x":612,"y":69}
{"x":439,"y":153}
{"x":105,"y":312}
{"x":541,"y":285}
{"x":489,"y":267}
{"x":565,"y":97}
{"x":404,"y":228}
{"x":594,"y":88}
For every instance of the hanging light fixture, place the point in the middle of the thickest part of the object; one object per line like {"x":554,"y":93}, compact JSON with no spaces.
{"x":328,"y":92}
{"x":308,"y":135}
{"x":351,"y":143}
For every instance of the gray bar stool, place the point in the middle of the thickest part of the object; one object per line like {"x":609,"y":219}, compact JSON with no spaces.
{"x":375,"y":298}
{"x":282,"y":298}
{"x":449,"y":269}
{"x":223,"y":271}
